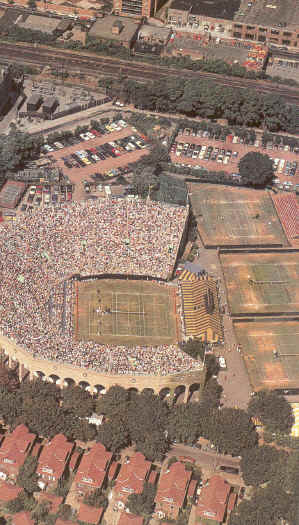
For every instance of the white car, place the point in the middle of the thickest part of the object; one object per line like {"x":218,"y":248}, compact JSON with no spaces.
{"x":58,"y":145}
{"x":222,"y":362}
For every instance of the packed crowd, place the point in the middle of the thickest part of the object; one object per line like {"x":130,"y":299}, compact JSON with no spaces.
{"x":39,"y":252}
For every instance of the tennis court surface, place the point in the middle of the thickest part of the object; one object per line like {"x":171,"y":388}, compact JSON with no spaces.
{"x":270,"y":351}
{"x":262,"y":282}
{"x":128,"y":312}
{"x":235,"y":216}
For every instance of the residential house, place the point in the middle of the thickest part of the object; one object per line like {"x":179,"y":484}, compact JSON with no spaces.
{"x":92,"y":515}
{"x":9,"y":492}
{"x":213,"y":500}
{"x":130,"y":519}
{"x":172,"y":490}
{"x":22,"y":518}
{"x":93,"y":468}
{"x":131,"y":478}
{"x":14,"y":450}
{"x":53,"y":460}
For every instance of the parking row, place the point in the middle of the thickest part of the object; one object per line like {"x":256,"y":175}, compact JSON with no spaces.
{"x":204,"y":152}
{"x":44,"y":195}
{"x":285,"y":167}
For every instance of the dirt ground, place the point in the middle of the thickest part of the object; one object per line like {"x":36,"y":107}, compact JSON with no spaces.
{"x":258,"y":340}
{"x":121,"y":311}
{"x":235,"y":216}
{"x":262,"y":282}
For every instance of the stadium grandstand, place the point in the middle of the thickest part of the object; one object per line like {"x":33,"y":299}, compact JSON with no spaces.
{"x":200,"y":307}
{"x":44,"y":254}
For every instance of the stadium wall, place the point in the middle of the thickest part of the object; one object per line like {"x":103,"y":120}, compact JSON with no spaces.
{"x":62,"y":373}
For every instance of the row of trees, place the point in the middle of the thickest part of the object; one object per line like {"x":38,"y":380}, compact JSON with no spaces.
{"x":16,"y":148}
{"x":204,"y":98}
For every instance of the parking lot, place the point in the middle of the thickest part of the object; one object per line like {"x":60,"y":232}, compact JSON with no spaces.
{"x":103,"y":153}
{"x":215,"y":153}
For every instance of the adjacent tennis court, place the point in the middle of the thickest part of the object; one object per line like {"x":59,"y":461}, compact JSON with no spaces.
{"x":262,"y":282}
{"x":235,"y":216}
{"x":270,"y":351}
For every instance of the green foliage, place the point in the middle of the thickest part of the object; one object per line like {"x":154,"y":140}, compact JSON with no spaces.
{"x":16,"y":148}
{"x":195,"y":348}
{"x":211,"y":394}
{"x":256,"y":169}
{"x":114,"y":435}
{"x":78,"y":401}
{"x":142,"y":504}
{"x":27,"y":477}
{"x":231,"y":430}
{"x":65,"y":511}
{"x":260,"y":464}
{"x":273,"y":410}
{"x":22,"y":502}
{"x":96,"y":499}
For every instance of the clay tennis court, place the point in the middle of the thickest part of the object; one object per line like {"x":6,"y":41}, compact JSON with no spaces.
{"x":229,"y":216}
{"x":270,"y":351}
{"x":119,"y":311}
{"x":262,"y":282}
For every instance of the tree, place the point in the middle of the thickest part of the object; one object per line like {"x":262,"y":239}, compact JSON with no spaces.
{"x":65,"y":511}
{"x":96,"y":499}
{"x":27,"y":477}
{"x":195,"y":348}
{"x":78,"y":401}
{"x":114,"y":435}
{"x":183,"y":423}
{"x":142,"y":504}
{"x":259,"y":464}
{"x":256,"y":169}
{"x":232,"y":431}
{"x":273,"y":410}
{"x":114,"y":403}
{"x":8,"y":379}
{"x":211,"y":394}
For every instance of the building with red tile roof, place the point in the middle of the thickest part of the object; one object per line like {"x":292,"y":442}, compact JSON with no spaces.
{"x":60,"y":521}
{"x":92,"y":470}
{"x":213,"y":500}
{"x":89,"y":514}
{"x":22,"y":518}
{"x":54,"y":501}
{"x":130,"y":519}
{"x":14,"y":450}
{"x":9,"y":492}
{"x":172,"y":489}
{"x":53,"y":460}
{"x":131,"y":478}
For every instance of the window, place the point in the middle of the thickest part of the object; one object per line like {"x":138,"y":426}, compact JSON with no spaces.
{"x":261,"y":38}
{"x":273,"y":40}
{"x":250,"y":37}
{"x":237,"y":26}
{"x":250,"y":27}
{"x":6,"y":460}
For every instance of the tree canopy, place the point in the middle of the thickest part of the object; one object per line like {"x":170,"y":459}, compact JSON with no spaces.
{"x":273,"y":410}
{"x":260,"y":464}
{"x":256,"y":169}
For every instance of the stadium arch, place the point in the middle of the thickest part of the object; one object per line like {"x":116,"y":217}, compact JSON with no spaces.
{"x":29,"y":366}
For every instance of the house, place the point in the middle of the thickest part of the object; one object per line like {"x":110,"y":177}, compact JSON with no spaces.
{"x":22,"y":518}
{"x":131,"y":478}
{"x":213,"y":500}
{"x":9,"y":492}
{"x":53,"y":460}
{"x":130,"y":519}
{"x":93,"y":468}
{"x":92,"y":515}
{"x":172,"y":489}
{"x":15,"y":448}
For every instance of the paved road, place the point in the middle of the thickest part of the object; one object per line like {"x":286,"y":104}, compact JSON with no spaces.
{"x":209,"y":460}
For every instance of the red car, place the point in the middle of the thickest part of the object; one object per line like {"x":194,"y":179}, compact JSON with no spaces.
{"x":69,"y":196}
{"x":95,"y":132}
{"x":93,"y":150}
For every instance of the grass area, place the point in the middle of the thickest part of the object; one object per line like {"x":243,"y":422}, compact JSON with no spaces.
{"x":121,"y":311}
{"x":236,"y":216}
{"x":262,"y":282}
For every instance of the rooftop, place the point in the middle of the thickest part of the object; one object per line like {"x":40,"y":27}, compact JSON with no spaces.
{"x":92,"y":469}
{"x":22,"y":518}
{"x":130,"y":519}
{"x":132,"y":475}
{"x":173,"y":484}
{"x":90,"y":514}
{"x":102,"y":28}
{"x":54,"y":501}
{"x":275,"y":13}
{"x":213,"y":499}
{"x":15,"y":447}
{"x":54,"y":455}
{"x":10,"y":193}
{"x":9,"y":492}
{"x":39,"y":23}
{"x":225,"y":9}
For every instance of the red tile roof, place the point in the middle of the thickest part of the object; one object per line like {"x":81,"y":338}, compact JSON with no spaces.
{"x":90,"y":514}
{"x":9,"y":492}
{"x":192,"y":487}
{"x":59,"y":521}
{"x":113,"y":468}
{"x":15,"y":447}
{"x":54,"y":501}
{"x":130,"y":519}
{"x":54,"y":456}
{"x":92,"y":469}
{"x":152,"y":477}
{"x":74,"y":459}
{"x":132,"y":475}
{"x":173,"y":485}
{"x":22,"y":518}
{"x":213,"y":499}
